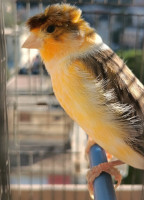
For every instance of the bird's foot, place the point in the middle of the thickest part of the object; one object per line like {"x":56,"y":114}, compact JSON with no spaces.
{"x":104,"y":167}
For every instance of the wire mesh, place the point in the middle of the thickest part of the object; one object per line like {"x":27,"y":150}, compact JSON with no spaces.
{"x":46,"y":147}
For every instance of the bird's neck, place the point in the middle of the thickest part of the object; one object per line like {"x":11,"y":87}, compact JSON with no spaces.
{"x":57,"y":54}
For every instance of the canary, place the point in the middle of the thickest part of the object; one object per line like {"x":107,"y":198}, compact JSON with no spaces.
{"x":92,"y":84}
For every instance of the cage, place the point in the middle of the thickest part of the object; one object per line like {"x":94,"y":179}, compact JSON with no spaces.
{"x":46,"y":148}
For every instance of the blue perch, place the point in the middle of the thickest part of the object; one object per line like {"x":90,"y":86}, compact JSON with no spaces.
{"x":103,"y":186}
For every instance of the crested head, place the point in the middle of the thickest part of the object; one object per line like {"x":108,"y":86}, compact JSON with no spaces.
{"x":58,"y":14}
{"x":64,"y":17}
{"x":60,"y":30}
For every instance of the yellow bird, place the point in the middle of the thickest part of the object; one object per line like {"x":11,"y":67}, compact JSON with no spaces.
{"x":92,"y":84}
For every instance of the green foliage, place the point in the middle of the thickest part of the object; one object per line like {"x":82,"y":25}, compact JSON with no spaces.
{"x":135,"y":61}
{"x":135,"y":176}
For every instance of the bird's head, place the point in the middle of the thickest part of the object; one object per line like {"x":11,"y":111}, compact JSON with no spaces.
{"x":59,"y":31}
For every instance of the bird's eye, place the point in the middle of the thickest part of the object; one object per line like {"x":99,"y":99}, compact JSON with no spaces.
{"x":50,"y":29}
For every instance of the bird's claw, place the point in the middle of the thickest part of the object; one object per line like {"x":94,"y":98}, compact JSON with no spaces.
{"x":103,"y":167}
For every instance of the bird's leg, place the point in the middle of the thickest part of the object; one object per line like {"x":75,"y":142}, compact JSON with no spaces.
{"x":90,"y":143}
{"x":103,"y":167}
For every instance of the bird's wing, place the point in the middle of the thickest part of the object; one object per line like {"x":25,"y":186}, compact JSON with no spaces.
{"x":130,"y":88}
{"x":128,"y":103}
{"x":107,"y":65}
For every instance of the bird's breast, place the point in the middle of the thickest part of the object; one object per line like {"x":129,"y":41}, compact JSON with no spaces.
{"x":75,"y":90}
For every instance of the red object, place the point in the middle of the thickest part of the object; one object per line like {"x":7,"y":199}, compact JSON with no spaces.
{"x":59,"y":179}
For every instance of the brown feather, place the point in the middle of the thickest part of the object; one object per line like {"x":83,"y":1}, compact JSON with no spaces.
{"x":57,"y":14}
{"x":128,"y":93}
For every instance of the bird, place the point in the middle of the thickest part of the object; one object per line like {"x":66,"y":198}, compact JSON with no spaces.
{"x":91,"y":82}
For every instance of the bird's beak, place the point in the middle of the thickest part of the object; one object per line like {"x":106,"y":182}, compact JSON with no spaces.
{"x":32,"y":42}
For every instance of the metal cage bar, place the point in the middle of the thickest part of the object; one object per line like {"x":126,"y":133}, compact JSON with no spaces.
{"x":4,"y":160}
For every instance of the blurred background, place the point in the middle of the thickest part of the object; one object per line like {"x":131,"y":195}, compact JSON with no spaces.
{"x":46,"y":148}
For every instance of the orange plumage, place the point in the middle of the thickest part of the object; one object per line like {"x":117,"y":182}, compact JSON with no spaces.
{"x":91,"y":82}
